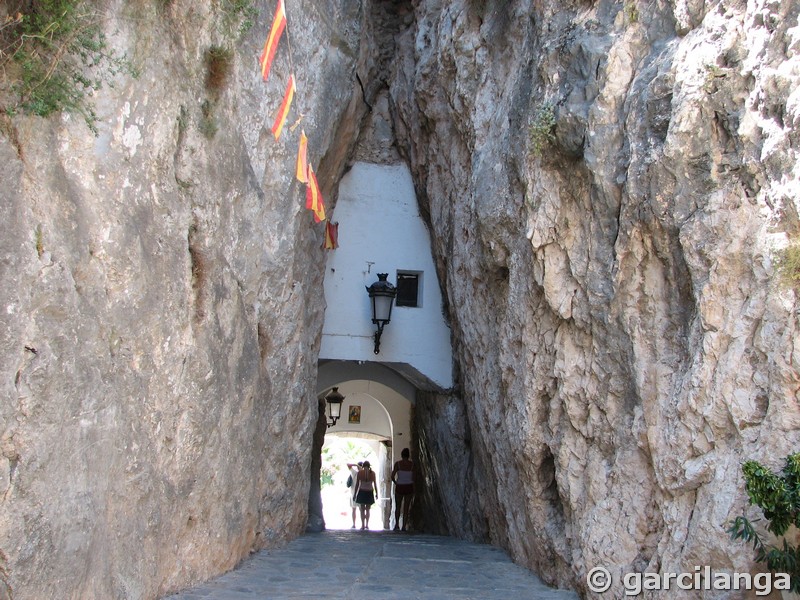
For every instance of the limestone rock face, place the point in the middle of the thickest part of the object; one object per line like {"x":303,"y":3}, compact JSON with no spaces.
{"x":161,"y":308}
{"x":622,"y":341}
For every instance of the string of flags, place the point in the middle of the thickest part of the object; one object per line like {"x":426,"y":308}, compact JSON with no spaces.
{"x":304,"y":170}
{"x":283,"y":111}
{"x":271,"y":45}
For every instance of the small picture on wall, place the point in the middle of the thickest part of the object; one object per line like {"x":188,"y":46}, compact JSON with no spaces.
{"x":354,"y":414}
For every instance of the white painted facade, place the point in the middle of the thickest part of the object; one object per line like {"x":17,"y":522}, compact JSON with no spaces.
{"x":381,"y":231}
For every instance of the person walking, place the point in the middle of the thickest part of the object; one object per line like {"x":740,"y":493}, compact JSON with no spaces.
{"x":352,"y":483}
{"x":403,"y":479}
{"x":366,"y":492}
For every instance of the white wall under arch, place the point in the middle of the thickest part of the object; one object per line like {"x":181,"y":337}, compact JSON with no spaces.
{"x":383,"y":412}
{"x":381,"y":230}
{"x":375,"y":418}
{"x":371,"y":386}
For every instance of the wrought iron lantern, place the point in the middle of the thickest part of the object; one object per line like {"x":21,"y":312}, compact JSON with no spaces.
{"x":334,"y":400}
{"x":382,"y":294}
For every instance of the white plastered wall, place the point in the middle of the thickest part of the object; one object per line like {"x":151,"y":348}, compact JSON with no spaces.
{"x":381,"y":231}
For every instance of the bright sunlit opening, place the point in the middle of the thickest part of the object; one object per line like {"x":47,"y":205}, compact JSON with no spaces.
{"x":336,"y":453}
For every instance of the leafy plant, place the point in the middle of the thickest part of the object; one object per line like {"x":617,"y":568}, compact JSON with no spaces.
{"x":631,"y":12}
{"x":541,"y":130}
{"x":713,"y":74}
{"x":53,"y":57}
{"x":208,"y":122}
{"x":787,"y":265}
{"x":241,"y":13}
{"x":778,"y":496}
{"x":339,"y":452}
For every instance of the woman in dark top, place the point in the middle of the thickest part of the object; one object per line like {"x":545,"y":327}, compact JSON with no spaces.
{"x":366,"y":492}
{"x":403,"y":479}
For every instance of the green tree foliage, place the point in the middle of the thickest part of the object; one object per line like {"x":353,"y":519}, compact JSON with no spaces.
{"x":239,"y":15}
{"x":340,"y":452}
{"x":778,"y":496}
{"x":53,"y":57}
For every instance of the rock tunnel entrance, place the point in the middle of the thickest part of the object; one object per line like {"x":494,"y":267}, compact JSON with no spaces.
{"x":415,"y":355}
{"x":621,"y":347}
{"x":377,"y":410}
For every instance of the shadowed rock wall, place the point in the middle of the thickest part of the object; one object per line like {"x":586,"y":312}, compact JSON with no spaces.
{"x":161,"y":306}
{"x":622,"y":340}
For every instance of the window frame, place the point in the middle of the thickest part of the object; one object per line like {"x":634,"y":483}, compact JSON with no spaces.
{"x":409,"y":273}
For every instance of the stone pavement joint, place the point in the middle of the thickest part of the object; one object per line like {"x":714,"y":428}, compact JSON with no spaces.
{"x":365,"y":565}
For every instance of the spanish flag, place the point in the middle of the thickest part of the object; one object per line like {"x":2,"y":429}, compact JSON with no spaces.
{"x":314,"y":197}
{"x":271,"y":45}
{"x":331,"y":236}
{"x":302,"y":160}
{"x":283,"y":111}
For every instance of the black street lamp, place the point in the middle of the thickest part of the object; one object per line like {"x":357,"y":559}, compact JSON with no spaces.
{"x":334,"y":400}
{"x":382,"y":294}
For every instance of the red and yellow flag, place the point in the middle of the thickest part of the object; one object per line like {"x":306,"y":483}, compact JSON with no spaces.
{"x":271,"y":45}
{"x":311,"y":195}
{"x":283,"y":111}
{"x":302,"y":160}
{"x":331,"y":236}
{"x":314,"y":197}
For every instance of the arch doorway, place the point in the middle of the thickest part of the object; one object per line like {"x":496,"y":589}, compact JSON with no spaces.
{"x":339,"y":450}
{"x":376,"y":422}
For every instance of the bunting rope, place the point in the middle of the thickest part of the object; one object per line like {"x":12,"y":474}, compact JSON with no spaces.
{"x":271,"y":45}
{"x":304,"y":171}
{"x":289,"y":49}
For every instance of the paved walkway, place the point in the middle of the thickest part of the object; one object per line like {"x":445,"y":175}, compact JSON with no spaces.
{"x":365,"y":565}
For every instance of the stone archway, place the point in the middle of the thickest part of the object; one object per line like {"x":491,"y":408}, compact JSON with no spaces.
{"x":379,"y":404}
{"x":372,"y":382}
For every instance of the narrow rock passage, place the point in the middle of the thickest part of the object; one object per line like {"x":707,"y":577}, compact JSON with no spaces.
{"x":370,"y":564}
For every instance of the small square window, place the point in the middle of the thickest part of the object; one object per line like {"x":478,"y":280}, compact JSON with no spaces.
{"x":408,"y":288}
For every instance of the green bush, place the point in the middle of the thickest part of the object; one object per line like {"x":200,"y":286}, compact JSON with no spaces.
{"x":714,"y":77}
{"x":239,"y":15}
{"x":208,"y":122}
{"x":631,"y":12}
{"x":788,"y":265}
{"x":778,"y":496}
{"x":53,"y":57}
{"x":541,"y":130}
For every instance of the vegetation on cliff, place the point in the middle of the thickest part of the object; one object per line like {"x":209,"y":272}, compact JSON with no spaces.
{"x":778,"y":496}
{"x":53,"y":56}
